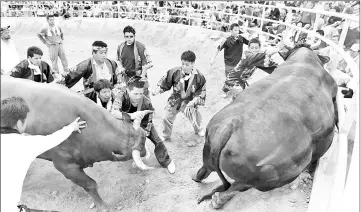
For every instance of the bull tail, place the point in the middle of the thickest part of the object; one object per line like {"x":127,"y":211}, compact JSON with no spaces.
{"x":212,"y":155}
{"x":336,"y":113}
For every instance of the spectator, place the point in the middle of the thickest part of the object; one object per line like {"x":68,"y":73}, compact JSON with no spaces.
{"x":9,"y":54}
{"x":53,"y":37}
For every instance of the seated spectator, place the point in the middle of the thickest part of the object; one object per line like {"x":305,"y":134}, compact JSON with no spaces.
{"x":33,"y":68}
{"x":306,"y":21}
{"x":102,"y":94}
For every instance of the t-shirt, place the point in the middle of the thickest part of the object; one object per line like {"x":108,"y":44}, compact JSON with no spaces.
{"x":132,"y":109}
{"x":233,"y":50}
{"x":127,"y":57}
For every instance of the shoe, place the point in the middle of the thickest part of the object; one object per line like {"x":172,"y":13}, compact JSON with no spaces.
{"x":344,"y":92}
{"x":171,"y":167}
{"x":349,"y":94}
{"x":201,"y":133}
{"x":224,"y":95}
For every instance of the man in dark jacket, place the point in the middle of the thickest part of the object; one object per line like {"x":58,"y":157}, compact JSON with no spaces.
{"x":93,"y":69}
{"x":33,"y":68}
{"x":130,"y":104}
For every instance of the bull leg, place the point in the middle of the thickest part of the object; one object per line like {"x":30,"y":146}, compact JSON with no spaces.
{"x":202,"y":174}
{"x":221,"y":188}
{"x":221,"y":198}
{"x":77,"y":175}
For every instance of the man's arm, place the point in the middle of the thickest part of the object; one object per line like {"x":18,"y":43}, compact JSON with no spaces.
{"x":200,"y":94}
{"x":219,"y":48}
{"x":49,"y":75}
{"x":148,"y":62}
{"x":245,"y":41}
{"x":46,"y":142}
{"x":41,"y":36}
{"x":16,"y":72}
{"x":73,"y":75}
{"x":61,"y":34}
{"x":165,"y":83}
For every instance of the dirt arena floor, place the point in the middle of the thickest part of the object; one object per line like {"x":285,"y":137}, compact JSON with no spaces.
{"x":122,"y":186}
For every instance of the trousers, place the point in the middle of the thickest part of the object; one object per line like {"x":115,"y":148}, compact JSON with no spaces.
{"x":55,"y":51}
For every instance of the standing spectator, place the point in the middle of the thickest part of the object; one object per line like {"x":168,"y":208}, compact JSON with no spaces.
{"x":33,"y":68}
{"x":9,"y":54}
{"x":189,"y":92}
{"x":233,"y":49}
{"x":53,"y":37}
{"x":307,"y":20}
{"x":133,"y":58}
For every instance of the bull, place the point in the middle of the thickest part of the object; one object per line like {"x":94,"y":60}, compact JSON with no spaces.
{"x":274,"y":130}
{"x":53,"y":106}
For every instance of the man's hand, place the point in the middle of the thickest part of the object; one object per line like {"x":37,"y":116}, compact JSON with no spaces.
{"x":139,"y":114}
{"x":191,"y":104}
{"x":77,"y":125}
{"x":212,"y":62}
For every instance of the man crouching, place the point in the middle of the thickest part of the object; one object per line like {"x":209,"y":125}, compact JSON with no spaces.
{"x":131,"y":102}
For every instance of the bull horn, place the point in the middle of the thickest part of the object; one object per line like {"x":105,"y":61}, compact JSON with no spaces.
{"x":138,"y":161}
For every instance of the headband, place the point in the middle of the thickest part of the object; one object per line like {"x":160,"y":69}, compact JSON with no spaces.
{"x":97,"y":48}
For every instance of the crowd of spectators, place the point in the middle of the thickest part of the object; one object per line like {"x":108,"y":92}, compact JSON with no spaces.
{"x":211,"y":15}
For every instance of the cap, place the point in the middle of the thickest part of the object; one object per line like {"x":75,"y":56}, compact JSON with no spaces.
{"x":355,"y":47}
{"x":4,"y":28}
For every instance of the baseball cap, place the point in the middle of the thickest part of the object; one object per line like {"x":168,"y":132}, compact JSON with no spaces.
{"x":4,"y":28}
{"x":355,"y":47}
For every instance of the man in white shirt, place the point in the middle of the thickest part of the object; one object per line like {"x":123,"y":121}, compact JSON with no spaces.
{"x":18,"y":150}
{"x":9,"y":54}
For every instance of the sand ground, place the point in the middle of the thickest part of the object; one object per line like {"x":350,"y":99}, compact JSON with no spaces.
{"x":122,"y":186}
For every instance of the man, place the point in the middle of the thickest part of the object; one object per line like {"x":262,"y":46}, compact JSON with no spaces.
{"x":133,"y":58}
{"x":14,"y":112}
{"x":9,"y":54}
{"x":33,"y":68}
{"x":53,"y":37}
{"x":102,"y":94}
{"x":233,"y":49}
{"x":129,"y":104}
{"x":189,"y":92}
{"x":93,"y":69}
{"x":254,"y":58}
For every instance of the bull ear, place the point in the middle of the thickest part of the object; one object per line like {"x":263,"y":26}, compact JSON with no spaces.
{"x":324,"y":59}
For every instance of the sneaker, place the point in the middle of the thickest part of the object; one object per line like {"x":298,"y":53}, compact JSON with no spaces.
{"x":224,"y":95}
{"x":171,"y":167}
{"x":201,"y":133}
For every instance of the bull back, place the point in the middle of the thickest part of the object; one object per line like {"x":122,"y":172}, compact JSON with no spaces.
{"x":54,"y":106}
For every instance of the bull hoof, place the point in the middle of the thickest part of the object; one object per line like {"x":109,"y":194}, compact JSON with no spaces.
{"x":195,"y":179}
{"x":217,"y":201}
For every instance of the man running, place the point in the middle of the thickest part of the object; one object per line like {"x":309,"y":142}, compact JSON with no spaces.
{"x":233,"y":49}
